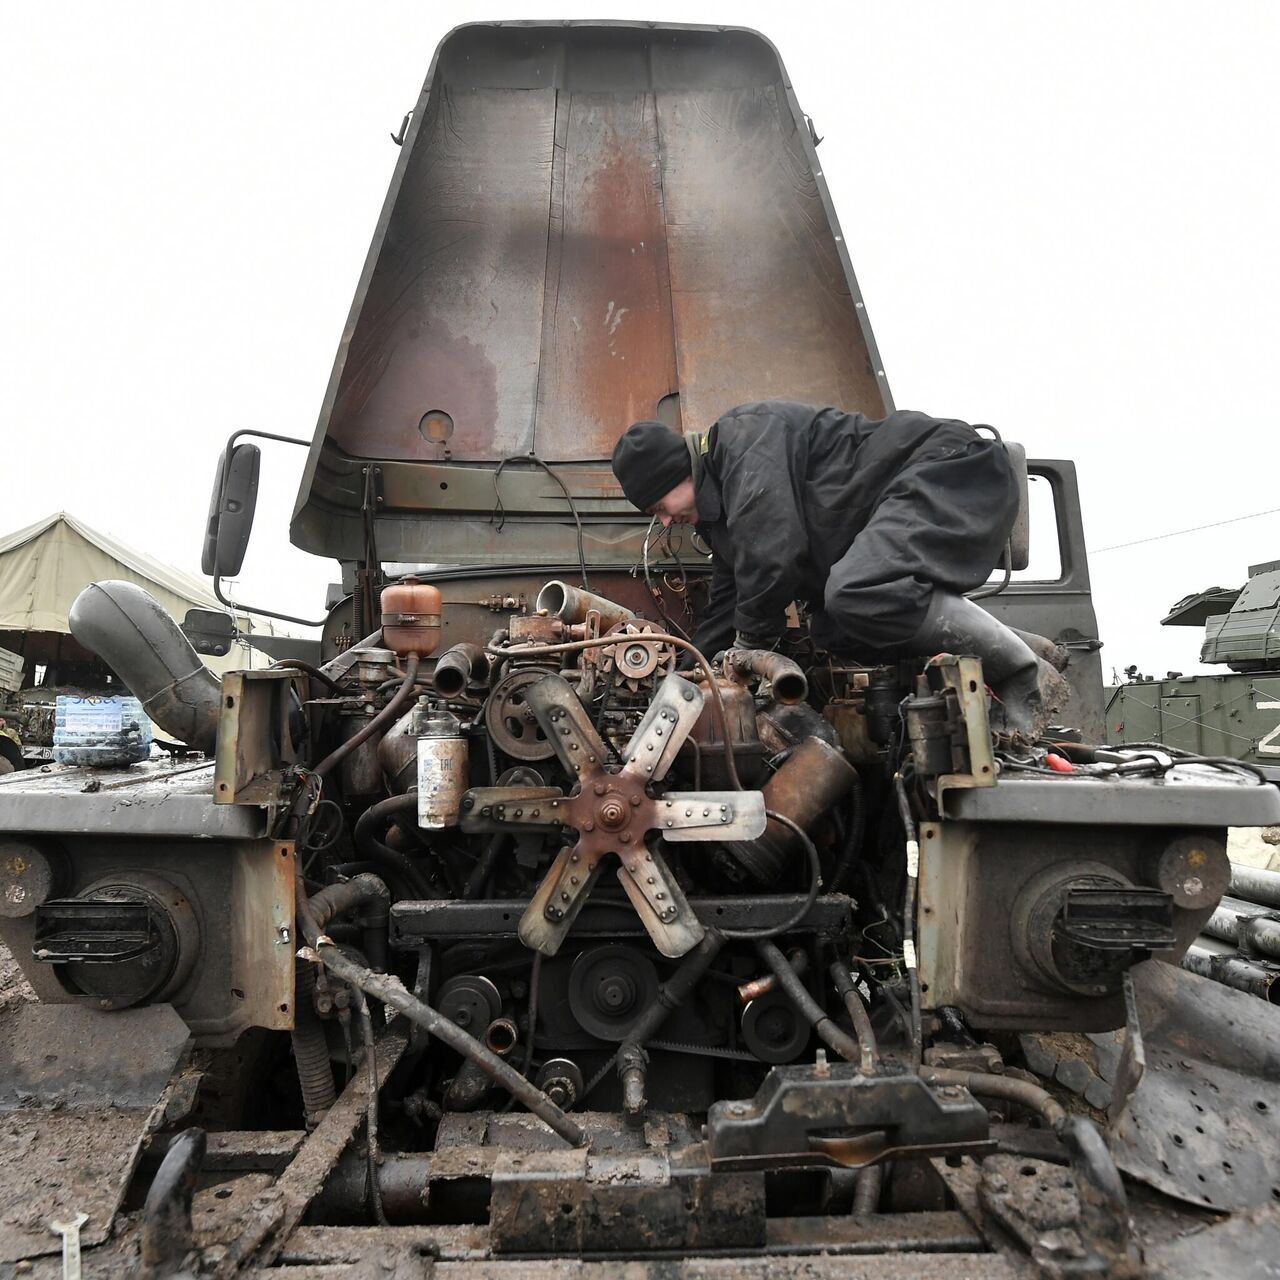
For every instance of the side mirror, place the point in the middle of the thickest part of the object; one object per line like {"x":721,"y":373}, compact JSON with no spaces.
{"x":210,"y":631}
{"x":231,"y":508}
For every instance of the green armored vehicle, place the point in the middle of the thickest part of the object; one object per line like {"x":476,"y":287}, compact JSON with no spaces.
{"x":1236,"y":714}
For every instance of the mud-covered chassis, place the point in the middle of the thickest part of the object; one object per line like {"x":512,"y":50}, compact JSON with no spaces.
{"x":779,"y":1149}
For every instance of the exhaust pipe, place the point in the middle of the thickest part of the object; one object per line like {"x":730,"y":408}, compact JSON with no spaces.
{"x":143,"y":645}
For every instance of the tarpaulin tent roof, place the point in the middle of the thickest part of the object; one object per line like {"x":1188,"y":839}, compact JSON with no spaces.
{"x":44,"y":566}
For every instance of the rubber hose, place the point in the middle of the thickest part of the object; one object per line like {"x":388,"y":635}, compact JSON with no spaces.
{"x":789,"y":980}
{"x":310,"y":1047}
{"x":848,"y":991}
{"x":372,"y":847}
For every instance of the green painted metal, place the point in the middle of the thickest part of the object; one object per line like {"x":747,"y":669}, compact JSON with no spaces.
{"x":1235,"y":714}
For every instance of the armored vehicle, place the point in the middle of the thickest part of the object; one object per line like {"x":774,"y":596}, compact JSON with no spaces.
{"x":1228,"y":715}
{"x":516,"y":936}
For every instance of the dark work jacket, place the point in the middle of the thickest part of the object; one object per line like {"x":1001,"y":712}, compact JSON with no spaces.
{"x":783,"y":490}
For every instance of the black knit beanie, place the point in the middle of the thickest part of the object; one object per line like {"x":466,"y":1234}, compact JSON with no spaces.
{"x":649,"y":461}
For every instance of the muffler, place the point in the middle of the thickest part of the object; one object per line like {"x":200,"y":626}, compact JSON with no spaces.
{"x":126,"y":627}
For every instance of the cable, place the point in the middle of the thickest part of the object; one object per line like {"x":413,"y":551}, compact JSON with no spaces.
{"x":772,"y":931}
{"x":909,"y":912}
{"x":499,"y":511}
{"x":535,"y":978}
{"x":984,"y":591}
{"x":384,"y":717}
{"x":1177,"y":533}
{"x":648,"y":581}
{"x":297,"y":664}
{"x":371,"y":1112}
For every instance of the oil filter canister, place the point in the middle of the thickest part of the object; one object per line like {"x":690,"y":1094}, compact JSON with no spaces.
{"x":442,"y":770}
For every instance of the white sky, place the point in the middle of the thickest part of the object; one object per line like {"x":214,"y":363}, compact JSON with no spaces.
{"x":1063,"y":219}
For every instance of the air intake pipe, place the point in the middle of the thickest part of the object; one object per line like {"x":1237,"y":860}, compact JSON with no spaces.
{"x":141,"y":643}
{"x":458,"y":667}
{"x":786,"y":678}
{"x":570,"y":604}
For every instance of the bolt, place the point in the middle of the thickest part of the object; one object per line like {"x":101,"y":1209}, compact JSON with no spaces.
{"x":599,"y":788}
{"x":468,"y":802}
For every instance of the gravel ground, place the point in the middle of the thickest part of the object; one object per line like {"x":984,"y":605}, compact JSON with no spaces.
{"x":13,"y":986}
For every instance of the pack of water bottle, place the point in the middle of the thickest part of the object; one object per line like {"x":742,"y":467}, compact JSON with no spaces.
{"x":101,"y":731}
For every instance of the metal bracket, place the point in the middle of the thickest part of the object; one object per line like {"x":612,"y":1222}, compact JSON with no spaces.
{"x":833,"y":1115}
{"x":964,"y":676}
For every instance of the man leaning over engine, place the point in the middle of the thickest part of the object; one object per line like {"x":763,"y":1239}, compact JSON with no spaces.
{"x":881,"y":526}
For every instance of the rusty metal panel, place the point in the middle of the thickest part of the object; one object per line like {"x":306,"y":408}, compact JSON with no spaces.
{"x":762,"y":306}
{"x":451,"y":320}
{"x":255,"y":748}
{"x":262,"y":928}
{"x":608,"y":355}
{"x":590,"y":224}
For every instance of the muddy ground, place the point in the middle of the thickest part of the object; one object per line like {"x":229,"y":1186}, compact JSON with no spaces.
{"x":14,"y":989}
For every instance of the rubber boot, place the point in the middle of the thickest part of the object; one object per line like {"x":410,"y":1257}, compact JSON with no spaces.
{"x":1028,"y":689}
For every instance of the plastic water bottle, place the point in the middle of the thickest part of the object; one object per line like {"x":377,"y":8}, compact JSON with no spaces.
{"x":100,"y":731}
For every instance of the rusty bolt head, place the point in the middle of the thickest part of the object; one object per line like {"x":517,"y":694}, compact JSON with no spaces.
{"x":612,"y":814}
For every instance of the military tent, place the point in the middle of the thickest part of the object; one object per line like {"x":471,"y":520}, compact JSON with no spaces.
{"x":44,"y":566}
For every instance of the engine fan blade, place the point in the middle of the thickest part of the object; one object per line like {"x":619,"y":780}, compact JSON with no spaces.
{"x":511,"y":809}
{"x":711,"y":815}
{"x":672,"y":714}
{"x":558,"y":899}
{"x":660,"y":903}
{"x":567,"y":726}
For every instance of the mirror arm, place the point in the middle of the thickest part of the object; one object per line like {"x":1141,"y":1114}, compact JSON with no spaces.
{"x":217,"y":579}
{"x":237,"y":607}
